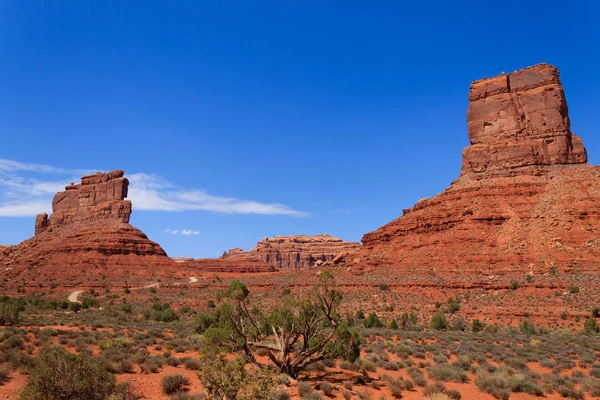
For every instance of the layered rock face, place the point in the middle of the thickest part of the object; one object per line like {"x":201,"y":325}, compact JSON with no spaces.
{"x":297,"y":252}
{"x":89,"y":226}
{"x":520,"y":119}
{"x":525,"y":200}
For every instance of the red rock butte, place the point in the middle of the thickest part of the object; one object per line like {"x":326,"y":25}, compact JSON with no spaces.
{"x":526,"y":198}
{"x":89,"y":227}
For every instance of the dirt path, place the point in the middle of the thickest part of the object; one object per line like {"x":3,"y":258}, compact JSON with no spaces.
{"x":74,"y":295}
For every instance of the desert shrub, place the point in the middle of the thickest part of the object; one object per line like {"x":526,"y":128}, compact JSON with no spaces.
{"x":527,"y":327}
{"x":192,"y":364}
{"x":326,"y":388}
{"x":446,"y":372}
{"x":493,"y":384}
{"x":464,"y":362}
{"x":396,"y":386}
{"x":204,"y":320}
{"x":394,"y":325}
{"x":590,"y":326}
{"x":437,"y":396}
{"x":304,"y":389}
{"x":409,"y":321}
{"x":514,"y":285}
{"x":282,"y":394}
{"x":173,"y":361}
{"x":4,"y":377}
{"x":160,"y":312}
{"x":573,"y":289}
{"x":229,"y":379}
{"x":438,"y":322}
{"x":477,"y":325}
{"x":58,"y":374}
{"x":453,"y":305}
{"x":10,"y":310}
{"x":417,"y":376}
{"x":174,"y":383}
{"x":373,"y":321}
{"x":458,"y":324}
{"x":592,"y":386}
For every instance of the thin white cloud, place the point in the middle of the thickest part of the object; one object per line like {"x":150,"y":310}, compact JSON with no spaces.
{"x":25,"y":209}
{"x":24,"y":193}
{"x":186,"y":232}
{"x":151,"y":193}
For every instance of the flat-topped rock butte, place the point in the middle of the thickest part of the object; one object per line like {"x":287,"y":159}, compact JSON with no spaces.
{"x":89,"y":227}
{"x":526,"y":198}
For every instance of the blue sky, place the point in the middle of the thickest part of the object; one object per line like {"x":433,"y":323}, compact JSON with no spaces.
{"x":237,"y":120}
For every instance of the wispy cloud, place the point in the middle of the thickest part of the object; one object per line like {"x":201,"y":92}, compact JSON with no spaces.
{"x":27,"y":190}
{"x":151,"y":193}
{"x":186,"y":232}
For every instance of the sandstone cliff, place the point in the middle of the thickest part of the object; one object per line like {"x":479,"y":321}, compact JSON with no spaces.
{"x":296,"y":252}
{"x":525,"y":199}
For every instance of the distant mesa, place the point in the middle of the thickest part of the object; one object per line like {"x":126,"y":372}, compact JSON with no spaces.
{"x":89,"y":226}
{"x":296,"y":252}
{"x":526,"y":197}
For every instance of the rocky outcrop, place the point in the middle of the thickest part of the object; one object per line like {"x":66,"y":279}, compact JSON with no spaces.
{"x":99,"y":196}
{"x":297,"y":252}
{"x":520,"y":119}
{"x":237,"y":251}
{"x":89,"y":226}
{"x":525,"y":200}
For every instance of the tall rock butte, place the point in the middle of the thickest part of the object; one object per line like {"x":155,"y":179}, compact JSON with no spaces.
{"x":296,"y":252}
{"x":89,"y":227}
{"x":526,"y":199}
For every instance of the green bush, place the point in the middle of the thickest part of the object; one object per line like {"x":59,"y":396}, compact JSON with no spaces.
{"x":161,"y":312}
{"x":373,"y":321}
{"x":453,"y":305}
{"x":438,"y":322}
{"x":514,"y":285}
{"x":527,"y":327}
{"x":10,"y":310}
{"x":477,"y":325}
{"x":58,"y":374}
{"x":590,"y":326}
{"x":573,"y":289}
{"x":204,"y":320}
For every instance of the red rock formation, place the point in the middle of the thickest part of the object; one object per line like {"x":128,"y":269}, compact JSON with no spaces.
{"x":89,"y":226}
{"x":237,"y":251}
{"x":520,"y":119}
{"x":525,"y":199}
{"x":297,"y":252}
